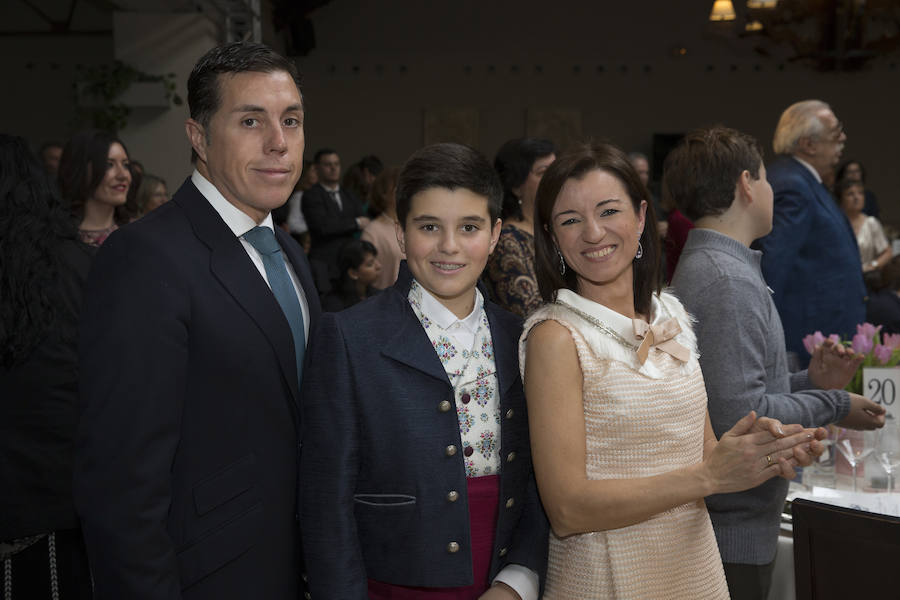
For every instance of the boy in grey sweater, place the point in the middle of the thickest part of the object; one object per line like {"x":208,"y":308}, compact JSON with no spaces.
{"x":716,"y":177}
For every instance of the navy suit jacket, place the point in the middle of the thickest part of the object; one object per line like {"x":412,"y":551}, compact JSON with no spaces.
{"x":375,"y":443}
{"x":188,"y":445}
{"x":811,"y":259}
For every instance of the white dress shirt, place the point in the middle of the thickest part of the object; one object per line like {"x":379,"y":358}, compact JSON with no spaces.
{"x":240,"y":223}
{"x":811,"y":168}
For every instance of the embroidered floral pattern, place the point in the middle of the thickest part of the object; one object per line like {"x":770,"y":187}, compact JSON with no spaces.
{"x":487,"y":444}
{"x":472,"y":373}
{"x":466,"y":419}
{"x":487,"y":348}
{"x":444,"y":348}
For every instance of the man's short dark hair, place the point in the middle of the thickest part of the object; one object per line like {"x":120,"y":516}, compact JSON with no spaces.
{"x":204,"y":96}
{"x":700,"y":174}
{"x":452,"y":167}
{"x":322,"y":152}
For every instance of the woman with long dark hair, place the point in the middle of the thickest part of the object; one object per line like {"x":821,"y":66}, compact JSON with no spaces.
{"x":622,"y":445}
{"x":42,"y":270}
{"x":95,"y":179}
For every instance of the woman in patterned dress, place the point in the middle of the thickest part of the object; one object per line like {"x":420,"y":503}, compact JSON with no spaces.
{"x":621,"y":442}
{"x":510,"y":270}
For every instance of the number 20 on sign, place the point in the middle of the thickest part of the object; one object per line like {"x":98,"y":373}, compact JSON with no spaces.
{"x":881,"y":385}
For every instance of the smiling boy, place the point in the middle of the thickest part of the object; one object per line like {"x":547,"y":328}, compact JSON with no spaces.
{"x":415,"y":426}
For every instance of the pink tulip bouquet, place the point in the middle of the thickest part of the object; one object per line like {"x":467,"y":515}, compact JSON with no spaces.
{"x":879,"y":351}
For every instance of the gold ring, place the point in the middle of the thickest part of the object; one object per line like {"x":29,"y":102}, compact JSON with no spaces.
{"x":768,"y":460}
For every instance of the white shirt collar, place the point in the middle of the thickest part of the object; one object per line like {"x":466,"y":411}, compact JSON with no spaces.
{"x":335,"y":188}
{"x":237,"y":220}
{"x":808,"y":166}
{"x":612,"y":319}
{"x":444,"y":318}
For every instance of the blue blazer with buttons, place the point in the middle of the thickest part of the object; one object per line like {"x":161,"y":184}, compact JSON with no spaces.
{"x":374,"y":444}
{"x":810,"y":259}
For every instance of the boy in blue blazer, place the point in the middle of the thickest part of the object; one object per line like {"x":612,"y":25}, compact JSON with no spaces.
{"x":416,"y":444}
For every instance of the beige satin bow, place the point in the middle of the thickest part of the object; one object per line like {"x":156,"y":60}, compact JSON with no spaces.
{"x":662,"y":336}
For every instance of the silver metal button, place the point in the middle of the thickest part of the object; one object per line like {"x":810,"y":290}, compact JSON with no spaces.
{"x":502,"y":552}
{"x":452,"y":496}
{"x":444,"y":406}
{"x":510,"y":413}
{"x":452,"y":547}
{"x":451,"y":450}
{"x":510,"y":502}
{"x":511,"y":457}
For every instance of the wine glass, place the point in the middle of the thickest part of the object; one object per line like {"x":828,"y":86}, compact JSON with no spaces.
{"x":887,"y":448}
{"x":854,"y":447}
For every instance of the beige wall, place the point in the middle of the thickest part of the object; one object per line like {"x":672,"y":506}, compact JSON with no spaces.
{"x":162,"y":43}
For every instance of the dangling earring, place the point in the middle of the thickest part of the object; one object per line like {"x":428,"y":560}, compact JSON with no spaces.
{"x":640,"y":251}
{"x":562,"y":263}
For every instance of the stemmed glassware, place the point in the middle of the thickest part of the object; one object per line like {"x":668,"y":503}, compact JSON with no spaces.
{"x":855,"y":447}
{"x":887,"y":448}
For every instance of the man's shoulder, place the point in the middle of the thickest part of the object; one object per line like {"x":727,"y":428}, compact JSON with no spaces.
{"x":786,"y":172}
{"x":315,"y":192}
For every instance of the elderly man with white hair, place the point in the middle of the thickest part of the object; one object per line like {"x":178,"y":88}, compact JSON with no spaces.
{"x":810,"y":259}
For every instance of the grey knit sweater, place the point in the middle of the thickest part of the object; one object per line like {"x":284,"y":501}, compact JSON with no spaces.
{"x":744,"y":363}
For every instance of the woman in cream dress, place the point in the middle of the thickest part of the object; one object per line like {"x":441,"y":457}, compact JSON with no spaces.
{"x":622,"y":445}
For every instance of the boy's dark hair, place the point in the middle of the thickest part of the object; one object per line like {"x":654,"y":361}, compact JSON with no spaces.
{"x":513,"y":163}
{"x":353,"y":255}
{"x":448,"y":166}
{"x":322,"y":152}
{"x":700,"y":174}
{"x":204,"y":97}
{"x":575,"y":165}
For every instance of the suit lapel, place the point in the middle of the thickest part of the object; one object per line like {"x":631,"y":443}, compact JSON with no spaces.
{"x":410,"y":345}
{"x":506,"y":351}
{"x":231,"y":265}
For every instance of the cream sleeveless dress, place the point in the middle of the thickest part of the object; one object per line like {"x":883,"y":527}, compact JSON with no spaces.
{"x":641,"y":420}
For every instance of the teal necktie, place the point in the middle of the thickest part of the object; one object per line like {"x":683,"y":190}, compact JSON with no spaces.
{"x":263,"y":239}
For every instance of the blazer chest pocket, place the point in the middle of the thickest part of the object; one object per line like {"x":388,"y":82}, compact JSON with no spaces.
{"x":384,"y":500}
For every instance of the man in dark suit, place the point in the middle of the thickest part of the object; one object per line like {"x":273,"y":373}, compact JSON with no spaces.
{"x":810,"y":259}
{"x":332,"y":214}
{"x":192,"y":345}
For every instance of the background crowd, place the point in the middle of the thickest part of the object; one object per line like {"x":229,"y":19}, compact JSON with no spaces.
{"x":810,"y":242}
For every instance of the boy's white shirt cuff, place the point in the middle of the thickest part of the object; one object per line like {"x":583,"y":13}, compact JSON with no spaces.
{"x":523,"y":580}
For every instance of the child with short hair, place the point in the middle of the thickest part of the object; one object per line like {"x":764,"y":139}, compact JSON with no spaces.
{"x":416,"y":459}
{"x":717,"y":178}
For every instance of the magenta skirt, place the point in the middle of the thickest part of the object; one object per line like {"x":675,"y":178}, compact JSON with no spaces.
{"x":484,"y":495}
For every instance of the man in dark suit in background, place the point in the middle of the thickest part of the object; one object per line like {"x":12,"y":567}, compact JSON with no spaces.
{"x":811,"y":259}
{"x":332,"y":214}
{"x":192,"y":345}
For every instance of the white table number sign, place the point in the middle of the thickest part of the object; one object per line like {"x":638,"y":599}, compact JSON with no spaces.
{"x":882,"y":386}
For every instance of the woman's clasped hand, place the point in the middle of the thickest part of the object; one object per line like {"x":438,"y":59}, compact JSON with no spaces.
{"x":757,"y":449}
